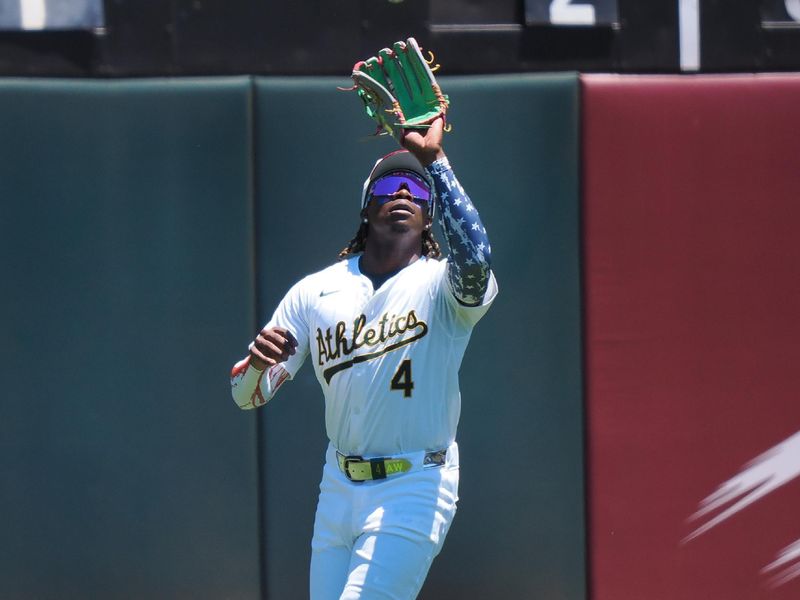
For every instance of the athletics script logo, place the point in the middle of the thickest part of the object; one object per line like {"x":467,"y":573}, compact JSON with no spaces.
{"x":389,"y":333}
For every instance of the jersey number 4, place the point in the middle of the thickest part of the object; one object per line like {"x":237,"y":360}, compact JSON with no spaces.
{"x":402,"y":379}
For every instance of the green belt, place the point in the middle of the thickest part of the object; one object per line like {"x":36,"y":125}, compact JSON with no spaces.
{"x":359,"y":469}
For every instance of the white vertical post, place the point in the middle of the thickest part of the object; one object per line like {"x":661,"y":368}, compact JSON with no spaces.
{"x":34,"y":13}
{"x":689,"y":28}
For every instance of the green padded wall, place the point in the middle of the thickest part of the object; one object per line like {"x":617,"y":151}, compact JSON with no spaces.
{"x":126,"y":234}
{"x":520,"y":528}
{"x":310,"y":167}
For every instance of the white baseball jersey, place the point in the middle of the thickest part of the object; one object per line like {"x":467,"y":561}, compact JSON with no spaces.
{"x":387,"y":360}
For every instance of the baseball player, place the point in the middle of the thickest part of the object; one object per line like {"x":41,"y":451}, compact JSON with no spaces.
{"x":385,"y":329}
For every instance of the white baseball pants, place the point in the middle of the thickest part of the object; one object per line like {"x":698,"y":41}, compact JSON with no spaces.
{"x":377,"y":539}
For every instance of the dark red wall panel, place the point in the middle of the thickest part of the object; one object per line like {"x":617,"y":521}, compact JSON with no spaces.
{"x":692,"y":284}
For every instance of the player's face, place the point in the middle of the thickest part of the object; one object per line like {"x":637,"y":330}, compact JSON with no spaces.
{"x":396,"y":212}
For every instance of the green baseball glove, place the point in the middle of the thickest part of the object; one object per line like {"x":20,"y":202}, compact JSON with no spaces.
{"x":399,"y":90}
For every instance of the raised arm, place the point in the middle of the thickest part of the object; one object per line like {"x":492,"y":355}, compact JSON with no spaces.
{"x":469,"y":259}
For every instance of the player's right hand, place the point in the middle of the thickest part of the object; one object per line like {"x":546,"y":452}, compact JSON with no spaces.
{"x":425,"y":144}
{"x":272,"y":346}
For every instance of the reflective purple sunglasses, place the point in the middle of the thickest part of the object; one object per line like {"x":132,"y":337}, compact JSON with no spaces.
{"x":382,"y":189}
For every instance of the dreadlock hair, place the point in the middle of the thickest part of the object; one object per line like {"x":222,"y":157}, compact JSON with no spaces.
{"x":430,"y":247}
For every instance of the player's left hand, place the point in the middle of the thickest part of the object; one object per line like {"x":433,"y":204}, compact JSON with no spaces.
{"x":272,"y":346}
{"x":425,"y":144}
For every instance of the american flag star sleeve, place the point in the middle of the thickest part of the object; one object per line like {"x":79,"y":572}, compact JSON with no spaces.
{"x":469,"y":259}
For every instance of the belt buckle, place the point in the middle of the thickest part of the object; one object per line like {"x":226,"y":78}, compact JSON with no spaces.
{"x":346,"y":465}
{"x":435,"y":459}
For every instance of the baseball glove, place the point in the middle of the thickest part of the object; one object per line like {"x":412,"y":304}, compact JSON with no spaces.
{"x":399,"y":90}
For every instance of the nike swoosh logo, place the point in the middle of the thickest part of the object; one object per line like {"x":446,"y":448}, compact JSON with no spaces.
{"x":328,"y":293}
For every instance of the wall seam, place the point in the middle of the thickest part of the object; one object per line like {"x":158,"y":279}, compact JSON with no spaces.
{"x":257,"y":308}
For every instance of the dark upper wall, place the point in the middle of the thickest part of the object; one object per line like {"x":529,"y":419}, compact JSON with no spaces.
{"x":219,"y":37}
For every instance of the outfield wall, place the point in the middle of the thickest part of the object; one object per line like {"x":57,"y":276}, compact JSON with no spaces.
{"x":149,"y":227}
{"x":692,"y":271}
{"x":643,"y":234}
{"x":127,"y":259}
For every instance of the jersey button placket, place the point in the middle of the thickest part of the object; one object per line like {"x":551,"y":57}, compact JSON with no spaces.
{"x":358,"y":375}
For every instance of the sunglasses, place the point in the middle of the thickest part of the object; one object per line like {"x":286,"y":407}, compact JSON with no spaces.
{"x":382,"y":190}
